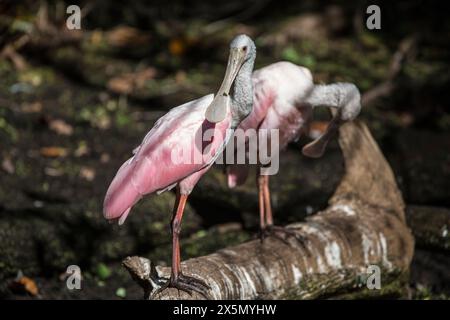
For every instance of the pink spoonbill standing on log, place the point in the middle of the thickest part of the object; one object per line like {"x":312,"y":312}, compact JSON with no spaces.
{"x":156,"y":166}
{"x":284,"y":99}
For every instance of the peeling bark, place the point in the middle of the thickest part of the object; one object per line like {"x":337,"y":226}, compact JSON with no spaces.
{"x":363,"y":225}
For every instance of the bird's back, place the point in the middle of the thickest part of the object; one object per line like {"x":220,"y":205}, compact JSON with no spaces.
{"x":278,"y":90}
{"x":289,"y":80}
{"x":279,"y":86}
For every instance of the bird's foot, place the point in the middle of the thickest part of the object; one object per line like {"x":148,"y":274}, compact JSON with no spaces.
{"x":281,"y":233}
{"x":187,"y":284}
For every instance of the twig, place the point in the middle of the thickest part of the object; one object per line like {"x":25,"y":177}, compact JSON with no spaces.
{"x":385,"y":88}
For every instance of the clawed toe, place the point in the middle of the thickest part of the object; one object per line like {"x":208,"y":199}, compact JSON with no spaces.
{"x":187,"y":284}
{"x":160,"y":289}
{"x":281,"y":233}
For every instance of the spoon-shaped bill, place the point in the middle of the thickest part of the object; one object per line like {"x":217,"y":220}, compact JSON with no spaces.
{"x":316,"y":148}
{"x":217,"y":110}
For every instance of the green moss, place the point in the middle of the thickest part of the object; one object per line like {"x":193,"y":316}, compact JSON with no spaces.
{"x":206,"y":242}
{"x":348,"y":285}
{"x":103,"y":272}
{"x":392,"y":286}
{"x":8,"y":130}
{"x":37,"y":76}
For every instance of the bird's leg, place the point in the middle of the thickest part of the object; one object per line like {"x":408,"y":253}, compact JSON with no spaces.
{"x":279,"y":232}
{"x":180,"y":203}
{"x":262,"y":218}
{"x":177,"y":278}
{"x":267,"y":203}
{"x":265,"y":209}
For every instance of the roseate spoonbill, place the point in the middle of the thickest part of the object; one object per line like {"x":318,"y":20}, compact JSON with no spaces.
{"x":284,"y":97}
{"x":152,"y":167}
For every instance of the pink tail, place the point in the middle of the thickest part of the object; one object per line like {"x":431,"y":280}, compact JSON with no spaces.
{"x":121,"y":194}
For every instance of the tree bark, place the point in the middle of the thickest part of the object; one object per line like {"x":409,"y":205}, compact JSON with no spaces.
{"x":363,"y":225}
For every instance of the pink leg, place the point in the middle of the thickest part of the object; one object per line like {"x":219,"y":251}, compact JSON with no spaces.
{"x":262,"y":219}
{"x":267,"y":226}
{"x":177,"y":278}
{"x":267,"y":203}
{"x":180,"y":203}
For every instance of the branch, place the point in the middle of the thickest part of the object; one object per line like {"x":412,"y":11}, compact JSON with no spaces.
{"x":363,"y":225}
{"x":399,"y":58}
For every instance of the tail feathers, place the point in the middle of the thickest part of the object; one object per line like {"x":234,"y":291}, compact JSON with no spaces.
{"x":121,"y":194}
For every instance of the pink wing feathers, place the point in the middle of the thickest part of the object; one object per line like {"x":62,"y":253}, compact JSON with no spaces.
{"x":152,"y":167}
{"x":278,"y":91}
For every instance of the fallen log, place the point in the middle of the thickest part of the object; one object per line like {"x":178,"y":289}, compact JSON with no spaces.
{"x":363,"y":225}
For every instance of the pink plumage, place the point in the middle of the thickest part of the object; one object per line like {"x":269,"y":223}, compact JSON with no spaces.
{"x":279,"y":93}
{"x":284,"y":98}
{"x":181,"y":147}
{"x":152,"y":169}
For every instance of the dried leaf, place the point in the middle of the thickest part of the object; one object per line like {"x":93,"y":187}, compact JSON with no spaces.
{"x":304,"y":26}
{"x":53,"y":172}
{"x":8,"y":166}
{"x":180,"y":76}
{"x":61,"y":127}
{"x":19,"y":62}
{"x":120,"y":85}
{"x":34,"y":107}
{"x":30,"y":285}
{"x":127,"y":82}
{"x":104,"y":158}
{"x":406,"y":119}
{"x":53,"y":152}
{"x":82,"y":150}
{"x":87,"y":173}
{"x":25,"y":285}
{"x":124,"y":36}
{"x":96,"y":37}
{"x":142,"y":76}
{"x":177,"y":47}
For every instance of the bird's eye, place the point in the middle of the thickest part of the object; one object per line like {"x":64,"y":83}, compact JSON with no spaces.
{"x":244,"y":48}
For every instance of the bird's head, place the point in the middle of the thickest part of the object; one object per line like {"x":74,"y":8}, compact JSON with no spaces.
{"x":349,"y":106}
{"x":243,"y":45}
{"x":242,"y":51}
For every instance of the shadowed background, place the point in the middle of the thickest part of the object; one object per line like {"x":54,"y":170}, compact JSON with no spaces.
{"x":73,"y":104}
